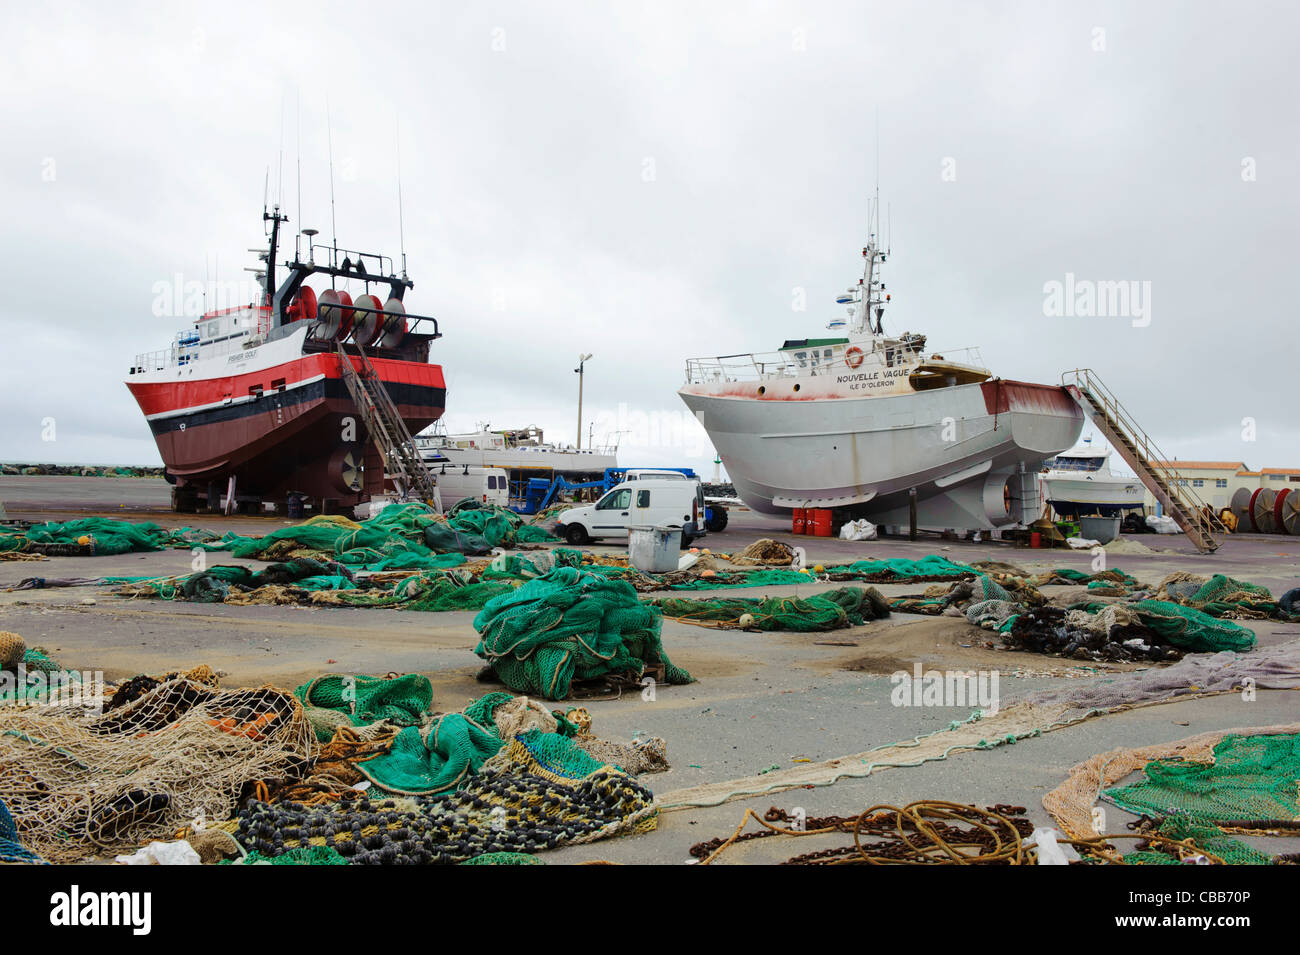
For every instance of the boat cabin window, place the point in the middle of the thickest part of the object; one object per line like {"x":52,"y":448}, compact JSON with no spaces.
{"x":615,"y":500}
{"x":1066,"y":463}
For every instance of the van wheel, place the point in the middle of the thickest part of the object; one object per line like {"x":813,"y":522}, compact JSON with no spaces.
{"x":717,"y":520}
{"x":575,"y":534}
{"x":686,"y":541}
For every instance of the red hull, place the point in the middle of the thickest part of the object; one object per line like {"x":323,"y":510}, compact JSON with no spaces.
{"x":288,"y":429}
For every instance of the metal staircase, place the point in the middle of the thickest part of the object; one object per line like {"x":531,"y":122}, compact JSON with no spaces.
{"x":1117,"y":426}
{"x":402,"y":460}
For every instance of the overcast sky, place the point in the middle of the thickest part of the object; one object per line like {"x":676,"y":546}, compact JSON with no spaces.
{"x":650,"y":182}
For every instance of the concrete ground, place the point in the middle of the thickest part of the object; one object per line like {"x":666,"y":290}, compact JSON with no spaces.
{"x":761,"y":700}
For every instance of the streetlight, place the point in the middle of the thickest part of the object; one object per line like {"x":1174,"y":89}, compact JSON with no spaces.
{"x":582,"y":364}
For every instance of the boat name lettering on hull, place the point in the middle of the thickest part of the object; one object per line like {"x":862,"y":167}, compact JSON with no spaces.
{"x":242,"y":356}
{"x":866,"y":381}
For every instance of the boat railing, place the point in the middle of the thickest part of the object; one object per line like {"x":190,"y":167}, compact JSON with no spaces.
{"x":183,"y":354}
{"x":819,"y":359}
{"x":323,"y":253}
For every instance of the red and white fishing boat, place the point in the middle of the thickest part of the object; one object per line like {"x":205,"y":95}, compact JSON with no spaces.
{"x":252,"y":402}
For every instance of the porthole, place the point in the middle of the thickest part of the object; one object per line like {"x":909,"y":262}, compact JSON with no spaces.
{"x":762,"y":389}
{"x":796,"y":387}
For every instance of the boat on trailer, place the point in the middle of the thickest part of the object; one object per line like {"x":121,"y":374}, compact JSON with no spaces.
{"x":870,"y":424}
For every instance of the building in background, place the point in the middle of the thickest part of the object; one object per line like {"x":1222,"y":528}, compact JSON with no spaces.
{"x":1214,"y":482}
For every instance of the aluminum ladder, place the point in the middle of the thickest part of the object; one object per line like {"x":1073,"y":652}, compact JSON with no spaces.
{"x":402,"y":460}
{"x":1102,"y":408}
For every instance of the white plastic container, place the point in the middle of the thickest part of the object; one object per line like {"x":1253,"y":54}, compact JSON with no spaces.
{"x":653,"y":550}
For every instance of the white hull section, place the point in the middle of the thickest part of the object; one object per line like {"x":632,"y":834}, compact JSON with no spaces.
{"x":972,"y":452}
{"x":561,"y":462}
{"x":1102,"y":492}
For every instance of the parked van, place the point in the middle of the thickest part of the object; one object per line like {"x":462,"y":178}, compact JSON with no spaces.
{"x":664,"y":502}
{"x":457,"y":482}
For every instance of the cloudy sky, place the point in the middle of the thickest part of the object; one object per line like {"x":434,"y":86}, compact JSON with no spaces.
{"x":650,"y":182}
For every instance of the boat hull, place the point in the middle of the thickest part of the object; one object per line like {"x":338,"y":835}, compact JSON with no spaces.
{"x":971,"y":452}
{"x":1083,"y":497}
{"x":279,"y":425}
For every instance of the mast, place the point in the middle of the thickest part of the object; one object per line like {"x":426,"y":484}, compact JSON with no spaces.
{"x":275,"y":219}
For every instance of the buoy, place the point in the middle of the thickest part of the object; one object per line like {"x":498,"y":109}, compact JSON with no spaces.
{"x":85,"y":540}
{"x":746,"y":620}
{"x":394,"y":323}
{"x":819,"y":569}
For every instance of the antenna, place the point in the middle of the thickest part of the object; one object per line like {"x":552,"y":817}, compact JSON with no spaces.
{"x":266,"y":188}
{"x":401,"y":228}
{"x":329,"y":132}
{"x":279,"y":172}
{"x":298,"y":111}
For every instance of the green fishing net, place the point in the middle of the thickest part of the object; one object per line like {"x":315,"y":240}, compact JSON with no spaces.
{"x":1252,"y":779}
{"x":845,"y":607}
{"x":570,"y":624}
{"x":105,"y":536}
{"x":1189,"y":628}
{"x":402,"y":700}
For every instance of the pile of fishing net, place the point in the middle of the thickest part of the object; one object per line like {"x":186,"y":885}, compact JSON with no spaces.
{"x":92,"y":536}
{"x":1132,"y":629}
{"x":1251,"y":782}
{"x":519,"y":802}
{"x":81,"y":782}
{"x":401,"y":536}
{"x":219,"y":583}
{"x":499,"y":526}
{"x":902,"y":570}
{"x":1222,"y":596}
{"x":428,"y":754}
{"x":1194,"y":794}
{"x":29,"y":677}
{"x":831,"y":610}
{"x":572,"y":625}
{"x":505,"y":774}
{"x":307,"y":582}
{"x":765,"y":551}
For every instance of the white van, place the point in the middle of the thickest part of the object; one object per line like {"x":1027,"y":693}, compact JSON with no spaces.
{"x":458,"y":481}
{"x":665,"y":502}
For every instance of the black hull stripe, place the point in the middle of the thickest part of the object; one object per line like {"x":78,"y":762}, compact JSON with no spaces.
{"x":419,"y":396}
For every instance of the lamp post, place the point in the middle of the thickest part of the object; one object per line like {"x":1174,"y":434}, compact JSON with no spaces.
{"x":579,"y":371}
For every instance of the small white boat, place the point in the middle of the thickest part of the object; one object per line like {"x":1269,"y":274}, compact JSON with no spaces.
{"x":522,"y":449}
{"x":1079,"y":483}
